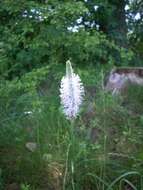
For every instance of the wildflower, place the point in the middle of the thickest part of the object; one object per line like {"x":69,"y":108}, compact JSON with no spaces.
{"x":72,"y":92}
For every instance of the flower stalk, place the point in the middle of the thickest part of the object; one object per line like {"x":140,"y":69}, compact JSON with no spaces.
{"x":71,"y":92}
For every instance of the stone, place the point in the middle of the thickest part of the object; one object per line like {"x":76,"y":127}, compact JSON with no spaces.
{"x":31,"y":146}
{"x":13,"y":186}
{"x":120,"y":79}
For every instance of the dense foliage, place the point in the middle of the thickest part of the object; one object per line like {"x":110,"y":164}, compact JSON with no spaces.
{"x":37,"y":33}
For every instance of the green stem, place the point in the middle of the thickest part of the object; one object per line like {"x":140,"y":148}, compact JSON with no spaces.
{"x":38,"y":141}
{"x":66,"y":169}
{"x":72,"y":135}
{"x":105,"y":131}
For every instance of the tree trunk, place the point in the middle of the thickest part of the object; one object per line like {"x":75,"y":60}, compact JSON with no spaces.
{"x":113,"y":21}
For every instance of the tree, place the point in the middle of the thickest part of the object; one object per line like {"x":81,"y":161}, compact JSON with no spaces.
{"x":135,"y":25}
{"x":38,"y":33}
{"x":109,"y":17}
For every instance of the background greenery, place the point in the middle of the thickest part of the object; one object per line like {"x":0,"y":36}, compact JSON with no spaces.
{"x":102,"y":149}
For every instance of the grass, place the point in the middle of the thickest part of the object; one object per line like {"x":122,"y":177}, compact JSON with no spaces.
{"x":101,"y":149}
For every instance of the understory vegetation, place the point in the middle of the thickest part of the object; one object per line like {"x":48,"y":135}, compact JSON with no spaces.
{"x":101,"y":149}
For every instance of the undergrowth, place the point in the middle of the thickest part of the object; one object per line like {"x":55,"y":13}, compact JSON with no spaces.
{"x":101,"y":149}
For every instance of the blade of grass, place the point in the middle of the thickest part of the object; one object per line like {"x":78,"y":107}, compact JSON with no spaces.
{"x":98,"y":178}
{"x":122,"y":176}
{"x":130,"y":184}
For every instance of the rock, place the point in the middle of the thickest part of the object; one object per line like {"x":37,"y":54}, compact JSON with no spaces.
{"x":31,"y":146}
{"x":13,"y":186}
{"x":121,"y":78}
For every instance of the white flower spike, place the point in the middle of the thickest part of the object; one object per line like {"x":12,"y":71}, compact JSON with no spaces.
{"x":72,"y":92}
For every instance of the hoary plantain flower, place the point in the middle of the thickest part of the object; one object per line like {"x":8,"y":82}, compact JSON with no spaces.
{"x":72,"y":92}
